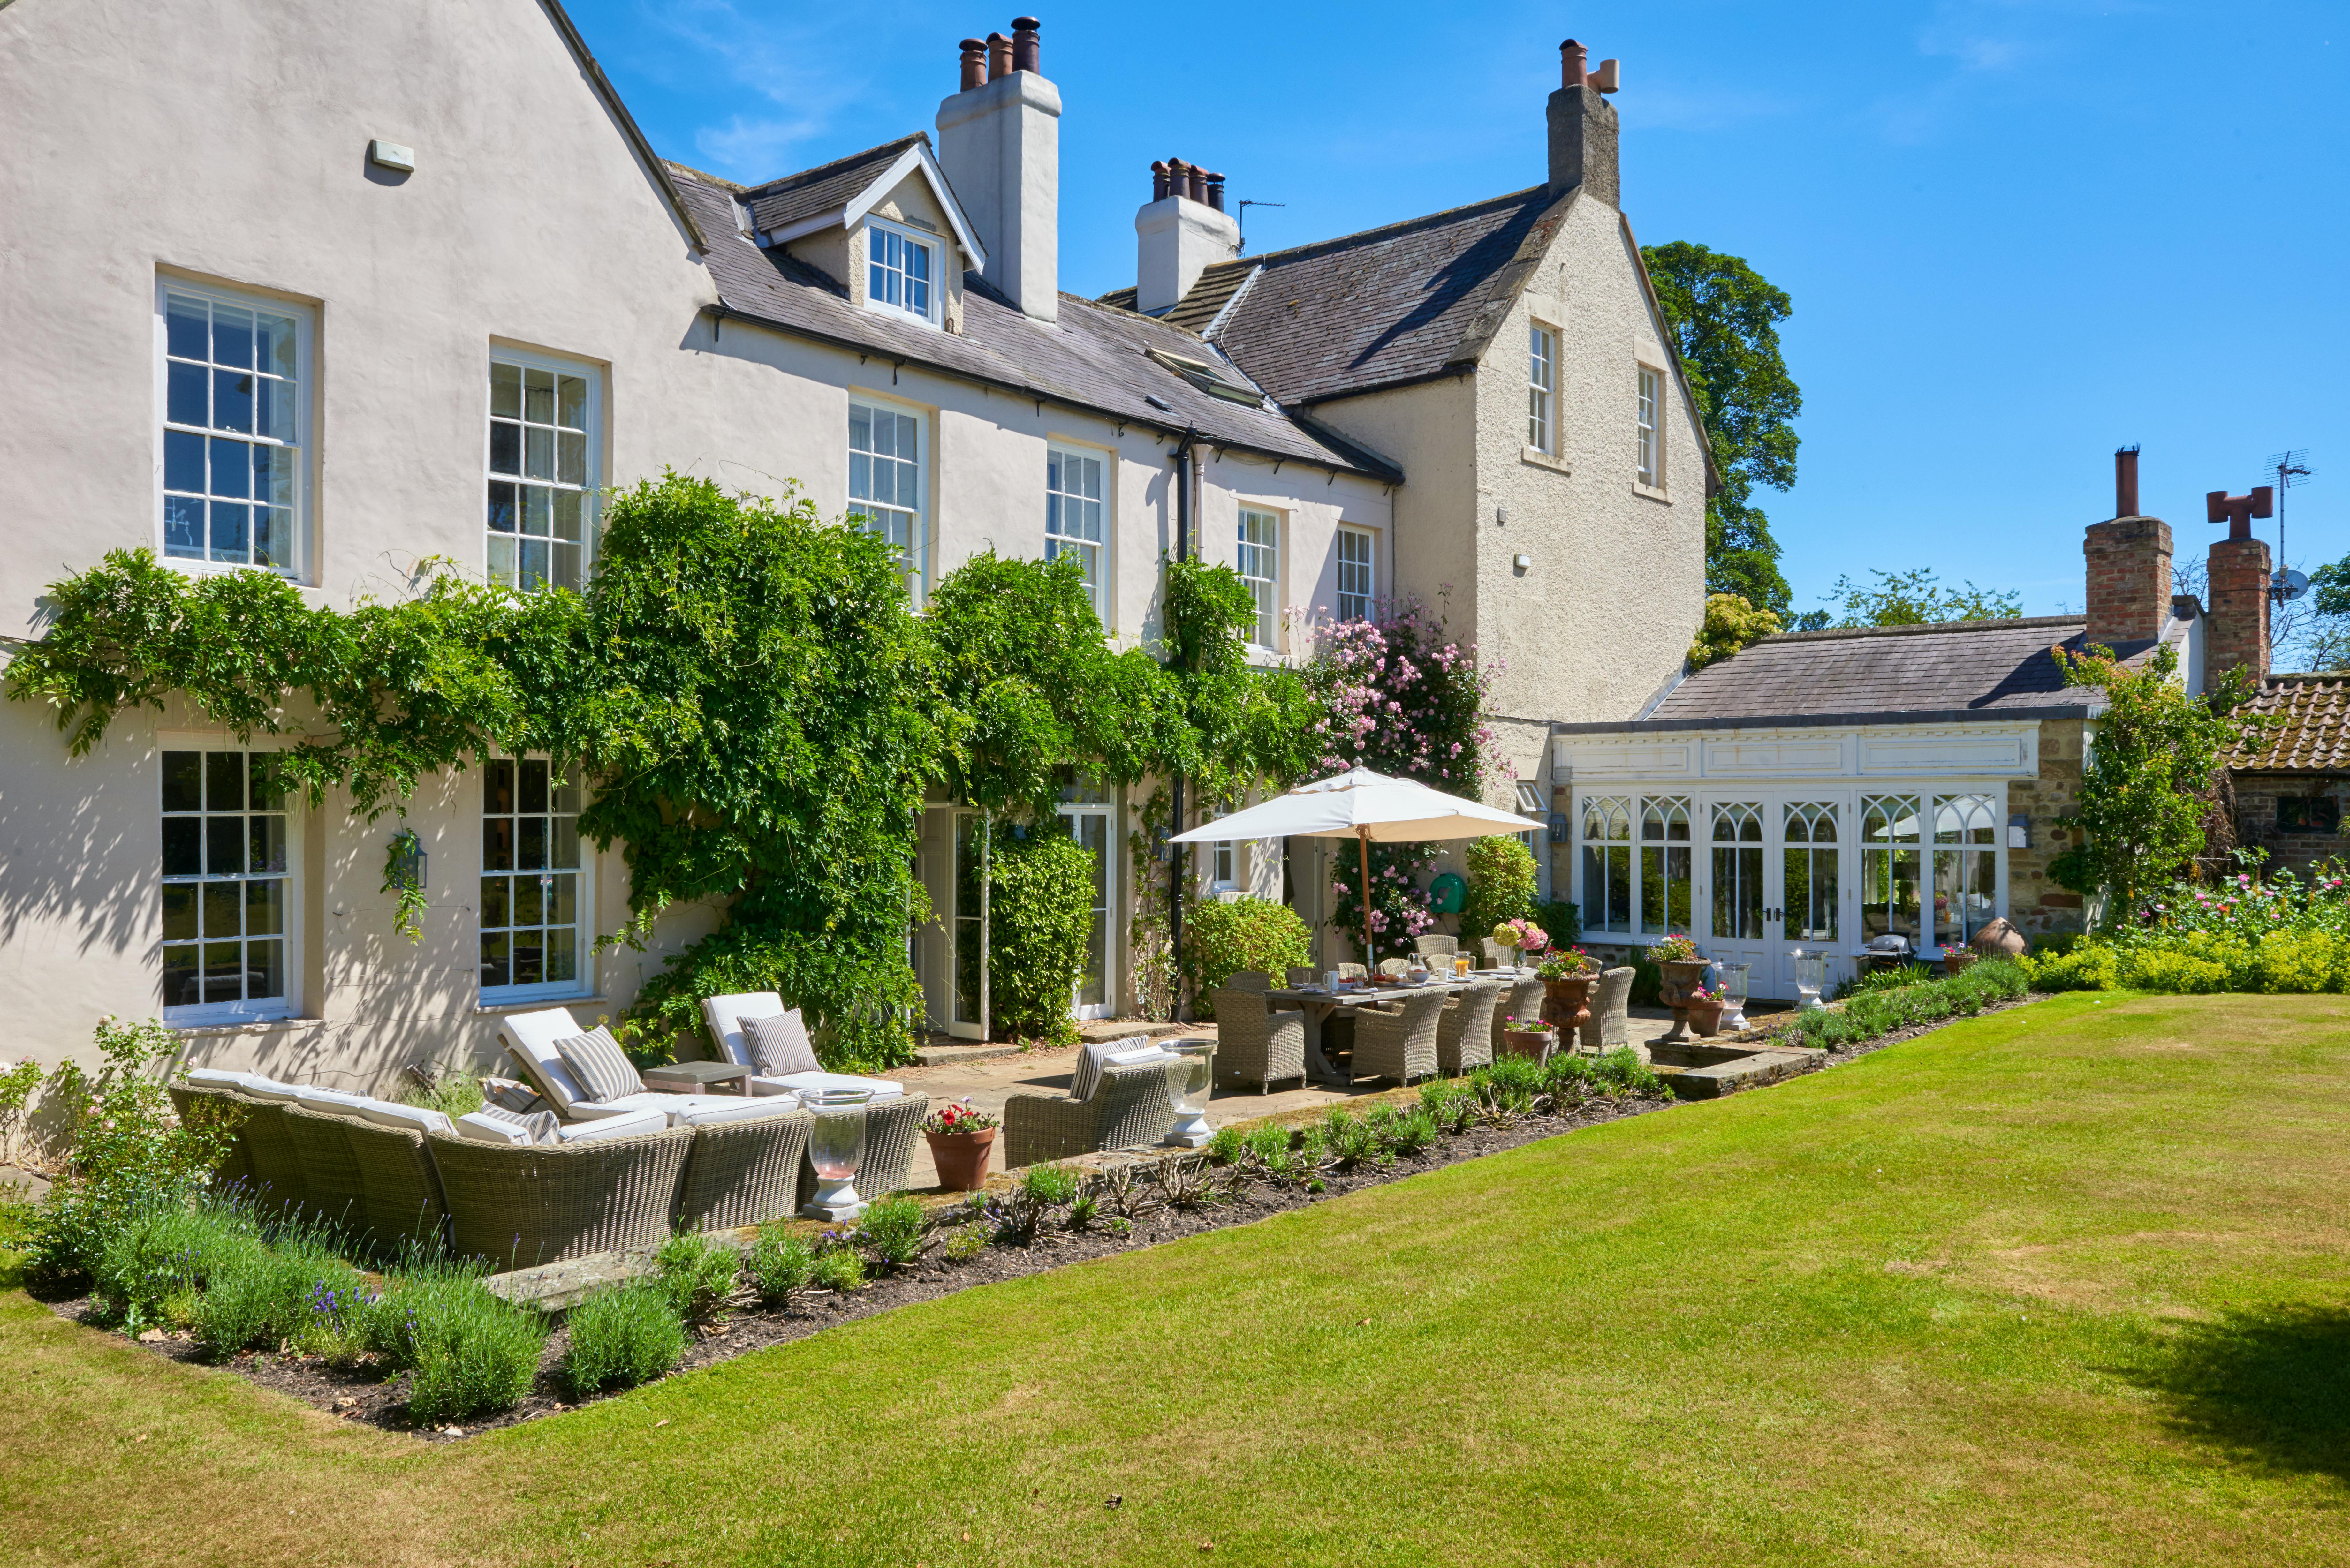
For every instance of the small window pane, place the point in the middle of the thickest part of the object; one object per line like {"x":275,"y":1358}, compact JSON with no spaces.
{"x":493,"y":901}
{"x":571,"y":402}
{"x":223,"y":908}
{"x":179,"y":912}
{"x":186,"y":328}
{"x":535,"y":510}
{"x":501,"y":518}
{"x":265,"y":907}
{"x":223,"y":781}
{"x":530,"y":854}
{"x":183,"y":525}
{"x":529,"y":909}
{"x":566,"y":514}
{"x":506,"y":449}
{"x":533,"y":786}
{"x":497,"y":844}
{"x":183,"y":781}
{"x":223,"y":845}
{"x":506,"y":391}
{"x":538,"y":397}
{"x":494,"y":966}
{"x":562,"y":948}
{"x":232,"y":400}
{"x":502,"y":562}
{"x":565,"y":850}
{"x":273,"y":348}
{"x":267,"y":843}
{"x":187,"y":394}
{"x":563,"y":901}
{"x":497,"y":785}
{"x":184,"y":847}
{"x":233,"y":336}
{"x":180,"y":984}
{"x":265,"y":970}
{"x":232,"y":531}
{"x":571,"y":457}
{"x":232,"y":468}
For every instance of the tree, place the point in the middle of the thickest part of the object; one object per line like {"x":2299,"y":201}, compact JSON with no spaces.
{"x":1725,"y":318}
{"x":2328,"y":628}
{"x":1913,"y":598}
{"x":1730,"y":624}
{"x":2149,"y":776}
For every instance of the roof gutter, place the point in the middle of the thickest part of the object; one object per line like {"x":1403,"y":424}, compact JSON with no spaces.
{"x":866,"y":351}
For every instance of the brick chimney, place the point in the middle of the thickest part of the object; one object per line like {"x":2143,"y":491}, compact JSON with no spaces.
{"x":1000,"y":145}
{"x":1583,"y":126}
{"x":2129,"y":565}
{"x":1179,"y":233}
{"x":2239,"y":634}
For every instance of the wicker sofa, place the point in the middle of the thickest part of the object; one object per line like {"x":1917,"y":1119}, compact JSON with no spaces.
{"x":527,"y":1204}
{"x":1131,"y":1106}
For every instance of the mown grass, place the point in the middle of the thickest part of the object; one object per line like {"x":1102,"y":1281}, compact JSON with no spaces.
{"x":2059,"y":1285}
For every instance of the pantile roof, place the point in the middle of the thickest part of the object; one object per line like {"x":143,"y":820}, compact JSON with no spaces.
{"x":2301,"y":723}
{"x":1094,"y":356}
{"x":1991,"y":668}
{"x":1384,"y":307}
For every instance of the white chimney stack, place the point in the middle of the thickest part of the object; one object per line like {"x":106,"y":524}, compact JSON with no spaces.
{"x":1000,"y":145}
{"x":1179,"y":234}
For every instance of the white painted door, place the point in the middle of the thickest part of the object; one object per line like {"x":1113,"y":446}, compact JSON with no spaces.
{"x":964,"y":1018}
{"x":1815,"y":872}
{"x":1088,"y":822}
{"x":1740,"y":874}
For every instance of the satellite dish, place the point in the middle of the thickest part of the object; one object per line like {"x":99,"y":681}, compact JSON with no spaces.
{"x":2290,"y":585}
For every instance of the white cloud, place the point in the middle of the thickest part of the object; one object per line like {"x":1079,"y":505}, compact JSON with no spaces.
{"x":792,"y":64}
{"x":749,"y":149}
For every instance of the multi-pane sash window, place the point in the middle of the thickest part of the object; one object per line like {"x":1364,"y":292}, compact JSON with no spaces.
{"x":1357,"y":580}
{"x":226,"y":887}
{"x":1652,"y":461}
{"x":885,"y":480}
{"x":1812,"y":891}
{"x":897,"y":271}
{"x":1888,"y":866}
{"x":1219,"y":865}
{"x":1260,"y":558}
{"x":542,"y":475}
{"x":233,"y":448}
{"x":1542,"y":385}
{"x":1966,"y":867}
{"x":1607,"y":864}
{"x":1073,"y":515}
{"x":532,"y":888}
{"x":1737,"y":872}
{"x":1664,"y":865}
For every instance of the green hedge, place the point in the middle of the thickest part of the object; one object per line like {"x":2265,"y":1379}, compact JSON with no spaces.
{"x":2186,"y":962}
{"x":1040,"y":922}
{"x":1220,"y":939}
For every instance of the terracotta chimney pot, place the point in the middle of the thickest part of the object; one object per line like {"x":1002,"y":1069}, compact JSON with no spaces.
{"x":1026,"y":55}
{"x":974,"y":63}
{"x":999,"y":57}
{"x":1575,"y":62}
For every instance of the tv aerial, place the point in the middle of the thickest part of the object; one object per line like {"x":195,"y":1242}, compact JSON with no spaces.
{"x":2291,"y":468}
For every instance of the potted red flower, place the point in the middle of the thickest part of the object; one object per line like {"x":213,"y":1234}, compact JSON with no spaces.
{"x":962,"y":1141}
{"x":1704,"y":1011}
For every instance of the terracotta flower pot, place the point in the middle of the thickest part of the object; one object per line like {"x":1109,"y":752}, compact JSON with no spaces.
{"x":1567,"y":1003}
{"x":1705,"y":1015}
{"x":962,"y":1158}
{"x":1958,"y":960}
{"x":1534,"y":1044}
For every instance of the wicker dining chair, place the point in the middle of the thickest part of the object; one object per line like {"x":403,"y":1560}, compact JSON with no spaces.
{"x":1247,"y":979}
{"x":520,"y":1205}
{"x":1610,"y":1023}
{"x":1353,"y":972}
{"x":1464,"y":1033}
{"x":1132,"y":1105}
{"x":1399,"y":1043}
{"x":1436,"y":944}
{"x":1397,"y":967}
{"x":1524,"y":1000}
{"x":1257,"y":1044}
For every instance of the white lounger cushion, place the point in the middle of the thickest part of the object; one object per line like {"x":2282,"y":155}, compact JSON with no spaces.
{"x":737,"y":1110}
{"x":635,"y":1124}
{"x":262,"y":1088}
{"x":530,"y":1038}
{"x":483,"y":1127}
{"x":214,"y":1078}
{"x":330,"y":1100}
{"x":794,"y":1083}
{"x":405,"y":1118}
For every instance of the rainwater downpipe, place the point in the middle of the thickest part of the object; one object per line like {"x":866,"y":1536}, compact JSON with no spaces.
{"x":1184,"y":479}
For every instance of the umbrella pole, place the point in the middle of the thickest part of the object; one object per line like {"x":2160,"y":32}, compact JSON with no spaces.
{"x":1370,"y":963}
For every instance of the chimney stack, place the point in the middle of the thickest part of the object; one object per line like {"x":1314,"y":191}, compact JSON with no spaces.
{"x":1000,"y":146}
{"x":2239,"y":636}
{"x":1583,"y":126}
{"x":2128,"y":567}
{"x":1181,"y":232}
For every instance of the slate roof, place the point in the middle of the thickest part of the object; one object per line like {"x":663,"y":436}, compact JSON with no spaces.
{"x":1389,"y":306}
{"x":810,"y":191}
{"x":2302,"y":725}
{"x":1946,"y":670}
{"x":1095,"y":357}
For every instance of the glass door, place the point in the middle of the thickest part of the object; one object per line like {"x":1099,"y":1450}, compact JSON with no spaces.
{"x":1087,"y":822}
{"x":1809,"y":902}
{"x":1737,"y":928}
{"x":963,"y":1019}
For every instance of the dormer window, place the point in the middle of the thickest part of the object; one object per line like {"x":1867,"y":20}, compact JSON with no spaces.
{"x":901,"y":272}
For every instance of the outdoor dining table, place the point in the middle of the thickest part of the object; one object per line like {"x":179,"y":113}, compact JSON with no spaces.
{"x":1319,"y":1005}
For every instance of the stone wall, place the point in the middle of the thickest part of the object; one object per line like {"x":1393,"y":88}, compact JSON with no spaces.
{"x":2035,"y":903}
{"x":2257,"y":795}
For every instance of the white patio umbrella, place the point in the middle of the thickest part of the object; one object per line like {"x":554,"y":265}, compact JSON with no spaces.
{"x":1362,"y":805}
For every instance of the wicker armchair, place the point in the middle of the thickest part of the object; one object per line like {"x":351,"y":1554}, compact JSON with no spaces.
{"x":1610,"y":1023}
{"x":1399,"y":1043}
{"x":1132,"y":1105}
{"x":1247,"y":979}
{"x":1436,"y":944}
{"x":742,"y":1172}
{"x":893,"y":1125}
{"x":526,"y":1204}
{"x":378,"y":1182}
{"x":1256,"y":1044}
{"x":1522,"y":1000}
{"x":1464,"y":1033}
{"x":1397,"y":967}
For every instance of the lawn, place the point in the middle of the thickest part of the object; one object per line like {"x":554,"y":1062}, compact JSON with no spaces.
{"x":2061,"y":1285}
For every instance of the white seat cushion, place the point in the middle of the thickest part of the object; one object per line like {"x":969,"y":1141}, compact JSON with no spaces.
{"x":724,"y":1014}
{"x":483,"y":1127}
{"x":530,"y":1039}
{"x":880,"y":1088}
{"x":672,"y":1108}
{"x":635,"y":1124}
{"x":214,"y":1078}
{"x":737,"y":1111}
{"x":334,"y":1101}
{"x":404,"y":1118}
{"x":262,"y":1088}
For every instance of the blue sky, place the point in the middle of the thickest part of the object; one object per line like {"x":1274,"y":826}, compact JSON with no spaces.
{"x":2017,"y":234}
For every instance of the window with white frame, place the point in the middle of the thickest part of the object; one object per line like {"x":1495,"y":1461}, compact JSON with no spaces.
{"x":1358,"y":578}
{"x":1889,"y":868}
{"x":1260,"y":566}
{"x":1664,"y":864}
{"x":885,"y":480}
{"x":1541,"y":387}
{"x":1966,"y":867}
{"x":541,"y":472}
{"x":1072,"y":515}
{"x":1651,"y":455}
{"x":534,"y":890}
{"x":1220,"y":864}
{"x":234,"y":371}
{"x":1608,"y":863}
{"x":228,"y":888}
{"x":900,"y":271}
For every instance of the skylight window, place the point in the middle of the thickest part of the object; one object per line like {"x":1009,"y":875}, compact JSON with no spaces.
{"x":1216,"y":381}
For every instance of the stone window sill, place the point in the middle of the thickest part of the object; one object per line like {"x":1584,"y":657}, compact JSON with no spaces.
{"x":499,"y":1009}
{"x":1652,"y":492}
{"x":1538,"y":458}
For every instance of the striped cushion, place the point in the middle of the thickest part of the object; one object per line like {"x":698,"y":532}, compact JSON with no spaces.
{"x":602,"y":1068}
{"x":540,"y":1126}
{"x":512,"y":1094}
{"x":1087,"y":1076}
{"x":779,"y":1046}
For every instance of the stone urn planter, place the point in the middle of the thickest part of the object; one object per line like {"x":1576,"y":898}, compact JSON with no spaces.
{"x":1567,"y":1003}
{"x":1682,"y":976}
{"x":1534,"y":1044}
{"x":962,"y":1158}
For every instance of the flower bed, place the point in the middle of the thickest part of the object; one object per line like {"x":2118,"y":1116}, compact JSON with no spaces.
{"x":2278,"y":933}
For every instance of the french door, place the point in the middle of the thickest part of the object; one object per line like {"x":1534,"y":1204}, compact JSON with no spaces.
{"x":965,"y":1021}
{"x":1774,"y":882}
{"x":1088,"y":822}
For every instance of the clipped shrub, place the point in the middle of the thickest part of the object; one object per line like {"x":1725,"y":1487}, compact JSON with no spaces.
{"x":621,"y":1336}
{"x":779,"y":1264}
{"x":1502,"y":885}
{"x":2086,"y":966}
{"x":468,"y":1351}
{"x":1041,"y":925}
{"x":2302,"y":961}
{"x":699,"y":1274}
{"x":891,"y":1230}
{"x":1220,"y":939}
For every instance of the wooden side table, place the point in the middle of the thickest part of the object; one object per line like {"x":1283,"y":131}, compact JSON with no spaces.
{"x":696,"y":1078}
